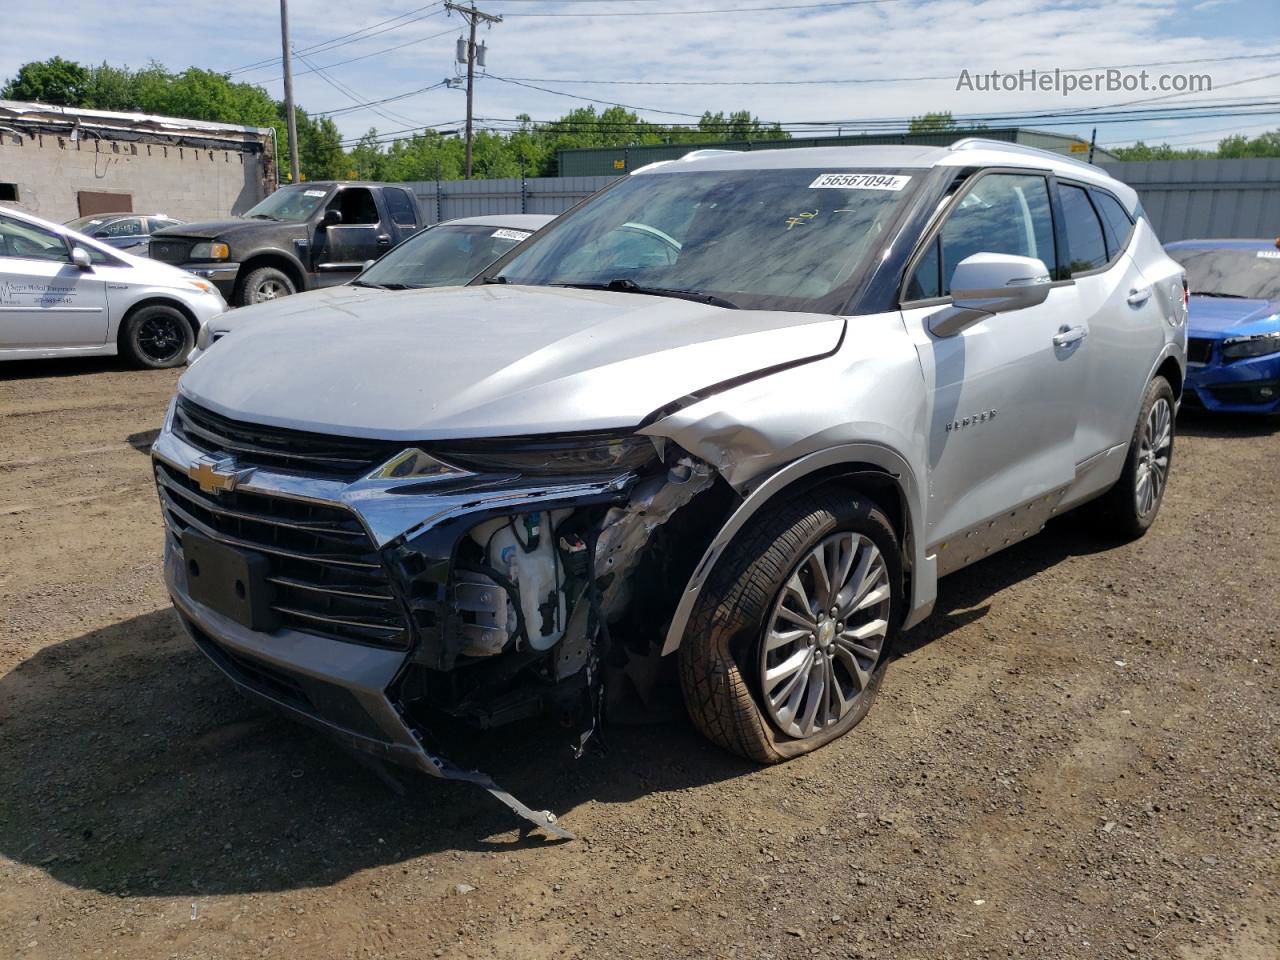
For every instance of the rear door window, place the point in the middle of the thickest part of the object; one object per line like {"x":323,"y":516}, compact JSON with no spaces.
{"x":1085,"y":242}
{"x":400,"y":206}
{"x":1114,"y":218}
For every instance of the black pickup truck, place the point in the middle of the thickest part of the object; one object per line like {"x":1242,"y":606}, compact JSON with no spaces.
{"x":303,"y":236}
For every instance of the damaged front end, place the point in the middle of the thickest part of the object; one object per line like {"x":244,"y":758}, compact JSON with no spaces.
{"x":478,"y":583}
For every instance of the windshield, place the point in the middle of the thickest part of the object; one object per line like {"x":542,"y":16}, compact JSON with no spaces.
{"x":294,"y":204}
{"x":1253,"y":274}
{"x":450,"y":254}
{"x":760,"y":239}
{"x":85,"y":224}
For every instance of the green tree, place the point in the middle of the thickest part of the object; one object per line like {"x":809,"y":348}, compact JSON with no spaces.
{"x":55,"y":80}
{"x":1264,"y":145}
{"x":937,"y":122}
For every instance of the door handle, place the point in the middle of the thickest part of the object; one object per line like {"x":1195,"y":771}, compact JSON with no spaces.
{"x":1139,"y":296}
{"x":384,"y":240}
{"x":1069,"y":335}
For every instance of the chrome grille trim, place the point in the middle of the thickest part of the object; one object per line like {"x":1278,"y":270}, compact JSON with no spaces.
{"x":323,"y":566}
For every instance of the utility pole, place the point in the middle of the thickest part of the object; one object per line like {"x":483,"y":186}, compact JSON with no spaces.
{"x":473,"y":17}
{"x":288,"y":91}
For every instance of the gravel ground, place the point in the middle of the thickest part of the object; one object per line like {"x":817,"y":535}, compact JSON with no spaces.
{"x":1076,"y":756}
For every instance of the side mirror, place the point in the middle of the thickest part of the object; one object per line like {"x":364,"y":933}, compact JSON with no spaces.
{"x":80,"y":257}
{"x":989,"y":283}
{"x":331,"y":218}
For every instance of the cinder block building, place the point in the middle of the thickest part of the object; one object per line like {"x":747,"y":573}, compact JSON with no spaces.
{"x":63,"y":162}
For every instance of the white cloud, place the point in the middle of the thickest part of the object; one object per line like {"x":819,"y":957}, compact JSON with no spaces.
{"x":896,"y":39}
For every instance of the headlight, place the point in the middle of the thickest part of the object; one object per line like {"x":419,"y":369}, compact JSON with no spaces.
{"x":573,"y":455}
{"x":1258,"y":345}
{"x":210,"y":251}
{"x":204,"y":286}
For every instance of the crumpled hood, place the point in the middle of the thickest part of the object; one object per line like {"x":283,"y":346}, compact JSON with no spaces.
{"x":490,"y":361}
{"x":1226,"y":316}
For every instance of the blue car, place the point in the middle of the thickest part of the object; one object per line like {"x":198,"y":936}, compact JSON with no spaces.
{"x":1233,"y":327}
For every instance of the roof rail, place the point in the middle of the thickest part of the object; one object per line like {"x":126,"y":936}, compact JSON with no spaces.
{"x":986,"y":143}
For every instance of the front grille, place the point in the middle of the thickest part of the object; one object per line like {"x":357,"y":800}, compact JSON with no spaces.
{"x":323,"y":568}
{"x":1199,"y":350}
{"x":169,"y":250}
{"x":255,"y":445}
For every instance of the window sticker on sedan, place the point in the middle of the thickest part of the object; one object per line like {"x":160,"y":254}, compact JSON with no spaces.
{"x":1269,"y":254}
{"x":314,"y":193}
{"x":505,"y":234}
{"x":860,"y":181}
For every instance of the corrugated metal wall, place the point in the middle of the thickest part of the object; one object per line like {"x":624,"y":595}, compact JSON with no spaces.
{"x":450,"y":199}
{"x":1184,"y":198}
{"x":1188,"y":199}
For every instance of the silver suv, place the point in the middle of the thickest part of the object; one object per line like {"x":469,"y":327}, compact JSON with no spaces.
{"x":738,"y":411}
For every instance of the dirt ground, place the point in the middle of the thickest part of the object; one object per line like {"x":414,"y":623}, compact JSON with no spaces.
{"x":1076,"y":756}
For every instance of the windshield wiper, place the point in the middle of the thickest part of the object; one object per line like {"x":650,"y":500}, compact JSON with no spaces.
{"x":625,"y":285}
{"x":371,"y":286}
{"x":494,"y":280}
{"x":1229,"y":296}
{"x":262,"y":216}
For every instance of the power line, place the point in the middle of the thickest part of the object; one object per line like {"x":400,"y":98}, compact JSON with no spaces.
{"x":346,"y":38}
{"x":576,"y":96}
{"x":343,"y":63}
{"x":702,"y":11}
{"x":860,"y":80}
{"x":374,"y":103}
{"x":353,"y":95}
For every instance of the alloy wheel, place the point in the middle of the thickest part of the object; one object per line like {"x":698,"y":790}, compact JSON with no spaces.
{"x":161,"y":337}
{"x":1155,"y":445}
{"x":270,"y":290}
{"x":825,"y":634}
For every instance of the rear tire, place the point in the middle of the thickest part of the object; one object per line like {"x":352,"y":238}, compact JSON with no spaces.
{"x":1130,"y":507}
{"x":263,"y":285}
{"x":157,"y":337}
{"x":751,"y":626}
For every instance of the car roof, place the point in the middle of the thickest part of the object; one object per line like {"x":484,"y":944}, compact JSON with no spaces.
{"x":967,"y":152}
{"x":1224,"y":244}
{"x":515,"y":221}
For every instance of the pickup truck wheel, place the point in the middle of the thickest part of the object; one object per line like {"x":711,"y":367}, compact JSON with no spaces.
{"x":157,"y":337}
{"x":1129,"y":508}
{"x":263,"y":284}
{"x":788,"y":642}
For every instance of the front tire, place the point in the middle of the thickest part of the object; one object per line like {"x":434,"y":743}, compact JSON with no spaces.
{"x":788,"y":642}
{"x":157,"y":337}
{"x":1130,"y":507}
{"x":263,"y":285}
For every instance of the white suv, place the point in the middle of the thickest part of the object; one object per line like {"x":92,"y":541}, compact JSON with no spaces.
{"x":742,"y":410}
{"x":63,"y":294}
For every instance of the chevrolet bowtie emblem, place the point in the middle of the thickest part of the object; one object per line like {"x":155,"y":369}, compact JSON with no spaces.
{"x":217,"y":476}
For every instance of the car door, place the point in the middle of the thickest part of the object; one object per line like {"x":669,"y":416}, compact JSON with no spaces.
{"x":343,"y":248}
{"x":1003,"y":390}
{"x":1121,"y":309}
{"x":402,"y":212}
{"x":45,"y":300}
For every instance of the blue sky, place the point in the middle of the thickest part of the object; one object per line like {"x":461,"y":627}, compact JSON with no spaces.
{"x":884,"y":39}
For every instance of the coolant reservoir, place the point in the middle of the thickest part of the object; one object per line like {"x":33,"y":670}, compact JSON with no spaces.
{"x":534,"y":569}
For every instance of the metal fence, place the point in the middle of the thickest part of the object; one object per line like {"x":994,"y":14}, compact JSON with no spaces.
{"x":1188,"y":199}
{"x":1184,"y":198}
{"x":449,"y":199}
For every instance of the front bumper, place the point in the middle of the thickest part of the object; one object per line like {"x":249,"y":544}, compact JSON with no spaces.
{"x":351,"y":688}
{"x":221,"y":275}
{"x":1241,"y":386}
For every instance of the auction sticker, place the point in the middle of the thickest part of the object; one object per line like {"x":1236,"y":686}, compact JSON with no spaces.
{"x":505,"y":234}
{"x":315,"y":193}
{"x":1269,"y":254}
{"x":860,"y":181}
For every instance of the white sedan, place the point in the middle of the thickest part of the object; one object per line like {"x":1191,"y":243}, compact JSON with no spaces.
{"x":63,"y":294}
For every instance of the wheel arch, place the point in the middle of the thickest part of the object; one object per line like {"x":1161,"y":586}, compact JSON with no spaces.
{"x":156,"y":300}
{"x":1171,"y":371}
{"x":870,"y":469}
{"x":273,"y":257}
